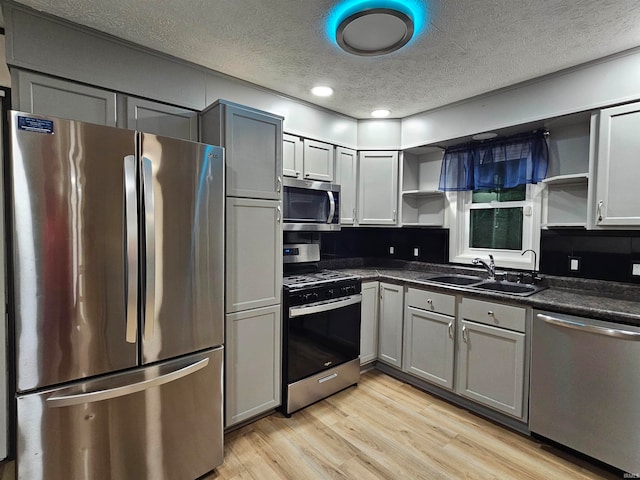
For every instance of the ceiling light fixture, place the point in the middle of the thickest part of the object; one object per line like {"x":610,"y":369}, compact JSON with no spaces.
{"x":375,"y":27}
{"x":380,"y":113}
{"x":322,"y":91}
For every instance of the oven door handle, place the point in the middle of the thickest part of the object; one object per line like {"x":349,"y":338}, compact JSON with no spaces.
{"x":324,"y":306}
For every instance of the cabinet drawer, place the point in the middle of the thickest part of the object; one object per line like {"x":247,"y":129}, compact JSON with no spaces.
{"x":431,"y":301}
{"x":495,"y":314}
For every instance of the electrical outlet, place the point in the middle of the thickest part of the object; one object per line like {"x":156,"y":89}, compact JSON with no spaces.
{"x":416,"y":252}
{"x":574,"y":264}
{"x":635,"y":270}
{"x":391,"y":250}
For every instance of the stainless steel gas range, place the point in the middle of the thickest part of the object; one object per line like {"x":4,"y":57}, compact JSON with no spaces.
{"x":321,"y":329}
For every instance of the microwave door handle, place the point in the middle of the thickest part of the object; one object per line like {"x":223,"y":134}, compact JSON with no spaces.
{"x":332,"y":207}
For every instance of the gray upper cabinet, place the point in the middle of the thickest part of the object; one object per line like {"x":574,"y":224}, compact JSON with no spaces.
{"x":292,"y":152}
{"x":346,"y":177}
{"x":318,"y":161}
{"x":161,"y":119}
{"x":253,"y":148}
{"x":60,"y":98}
{"x":617,"y":196}
{"x":378,"y":188}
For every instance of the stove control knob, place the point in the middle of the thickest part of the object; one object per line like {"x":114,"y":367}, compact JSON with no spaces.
{"x":331,"y":293}
{"x":313,"y":296}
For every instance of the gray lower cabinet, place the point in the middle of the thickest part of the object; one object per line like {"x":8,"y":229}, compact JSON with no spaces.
{"x":53,"y":97}
{"x":369,"y":322}
{"x":253,"y":363}
{"x":390,"y":324}
{"x":429,"y":336}
{"x":491,"y":355}
{"x":253,"y":253}
{"x":161,"y":119}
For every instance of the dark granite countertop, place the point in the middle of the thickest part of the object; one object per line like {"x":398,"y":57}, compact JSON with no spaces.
{"x":602,"y":300}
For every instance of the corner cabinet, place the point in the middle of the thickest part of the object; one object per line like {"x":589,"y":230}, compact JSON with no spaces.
{"x":616,"y":200}
{"x":346,"y":177}
{"x":378,"y":188}
{"x":253,"y":148}
{"x":390,"y":324}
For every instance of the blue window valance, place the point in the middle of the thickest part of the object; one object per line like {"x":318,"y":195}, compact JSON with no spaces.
{"x":495,"y":164}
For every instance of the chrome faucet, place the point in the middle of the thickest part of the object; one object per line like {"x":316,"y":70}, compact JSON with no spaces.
{"x":490,"y":267}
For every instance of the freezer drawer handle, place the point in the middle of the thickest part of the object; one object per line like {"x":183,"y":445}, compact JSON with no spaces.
{"x":89,"y":397}
{"x":131,"y":233}
{"x":324,"y":306}
{"x":609,"y":332}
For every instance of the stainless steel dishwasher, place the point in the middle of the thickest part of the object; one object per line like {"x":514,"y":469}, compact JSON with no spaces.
{"x":585,"y":387}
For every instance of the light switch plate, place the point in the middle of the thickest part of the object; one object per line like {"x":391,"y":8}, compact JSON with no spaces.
{"x":391,"y":250}
{"x":416,"y":252}
{"x":635,"y":270}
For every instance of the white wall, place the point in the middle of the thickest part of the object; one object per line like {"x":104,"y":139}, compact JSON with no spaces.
{"x":609,"y":81}
{"x":379,"y":134}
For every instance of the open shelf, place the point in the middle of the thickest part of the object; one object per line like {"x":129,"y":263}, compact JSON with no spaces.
{"x":567,"y":179}
{"x":422,"y":193}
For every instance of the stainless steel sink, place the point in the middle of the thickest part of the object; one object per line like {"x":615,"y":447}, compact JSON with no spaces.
{"x":520,"y":289}
{"x":454,"y":279}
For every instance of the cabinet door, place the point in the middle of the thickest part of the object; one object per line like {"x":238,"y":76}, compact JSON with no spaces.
{"x":491,"y":367}
{"x":617,"y":199}
{"x":378,"y":188}
{"x":252,"y":366}
{"x":390,"y":327}
{"x":160,"y":119}
{"x":429,"y":346}
{"x":253,"y":254}
{"x":59,"y":98}
{"x":369,"y":322}
{"x":318,"y":161}
{"x":291,"y":156}
{"x":346,"y":170}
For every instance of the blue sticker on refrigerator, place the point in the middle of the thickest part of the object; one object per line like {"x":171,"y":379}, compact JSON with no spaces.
{"x":39,"y":125}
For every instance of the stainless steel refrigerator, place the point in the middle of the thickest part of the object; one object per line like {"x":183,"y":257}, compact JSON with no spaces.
{"x":117,"y":259}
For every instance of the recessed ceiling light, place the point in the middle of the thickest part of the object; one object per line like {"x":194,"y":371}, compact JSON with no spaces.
{"x":484,"y":136}
{"x":322,"y":91}
{"x":375,"y":27}
{"x":380,"y":113}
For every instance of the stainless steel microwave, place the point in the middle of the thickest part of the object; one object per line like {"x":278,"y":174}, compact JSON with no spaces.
{"x":310,"y":206}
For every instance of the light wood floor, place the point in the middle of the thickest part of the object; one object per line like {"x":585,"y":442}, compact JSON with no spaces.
{"x":385,"y":429}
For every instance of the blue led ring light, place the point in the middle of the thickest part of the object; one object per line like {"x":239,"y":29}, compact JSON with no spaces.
{"x":381,"y":51}
{"x":411,"y":12}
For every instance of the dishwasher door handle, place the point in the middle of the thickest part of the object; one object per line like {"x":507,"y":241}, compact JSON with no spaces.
{"x":585,"y":327}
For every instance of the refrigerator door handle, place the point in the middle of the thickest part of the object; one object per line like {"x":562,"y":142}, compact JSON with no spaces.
{"x":123,"y":390}
{"x":131,"y":238}
{"x":150,"y":248}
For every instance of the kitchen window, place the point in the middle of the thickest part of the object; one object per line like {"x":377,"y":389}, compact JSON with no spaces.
{"x":495,"y":199}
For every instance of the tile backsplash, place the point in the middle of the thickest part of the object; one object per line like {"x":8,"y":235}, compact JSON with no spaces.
{"x":432,"y":244}
{"x":600,"y":255}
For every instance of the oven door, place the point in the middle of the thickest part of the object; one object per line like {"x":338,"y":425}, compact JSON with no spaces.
{"x":322,"y":335}
{"x":311,"y":206}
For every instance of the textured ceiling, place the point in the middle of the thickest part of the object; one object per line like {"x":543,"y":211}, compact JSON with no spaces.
{"x":468,"y":47}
